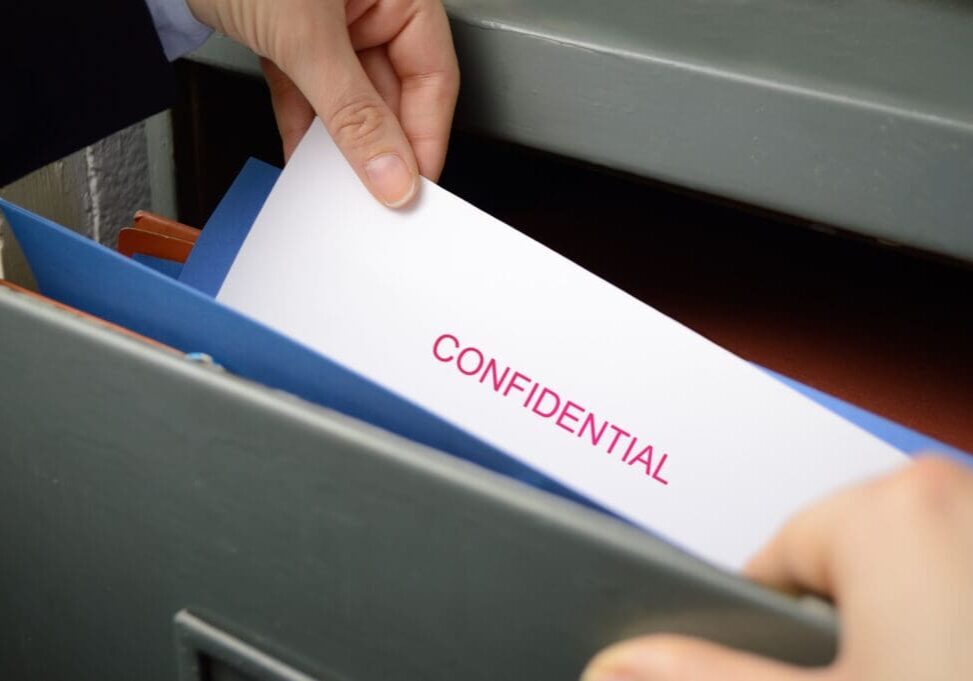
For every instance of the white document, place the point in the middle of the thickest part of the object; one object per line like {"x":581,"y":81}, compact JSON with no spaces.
{"x":498,"y":334}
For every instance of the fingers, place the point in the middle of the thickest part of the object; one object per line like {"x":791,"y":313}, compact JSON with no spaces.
{"x":291,"y":109}
{"x":420,"y":49}
{"x":896,"y":553}
{"x":676,"y":658}
{"x":821,"y":548}
{"x":294,"y":113}
{"x":390,"y":113}
{"x":378,"y":68}
{"x":801,"y":556}
{"x":327,"y":70}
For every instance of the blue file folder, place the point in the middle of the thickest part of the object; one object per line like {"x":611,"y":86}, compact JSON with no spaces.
{"x":177,"y":306}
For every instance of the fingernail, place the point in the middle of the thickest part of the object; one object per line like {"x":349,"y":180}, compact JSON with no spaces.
{"x":391,"y":180}
{"x":604,"y":668}
{"x":617,"y":663}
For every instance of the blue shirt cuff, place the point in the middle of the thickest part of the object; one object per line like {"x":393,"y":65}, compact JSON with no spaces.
{"x":179,"y":31}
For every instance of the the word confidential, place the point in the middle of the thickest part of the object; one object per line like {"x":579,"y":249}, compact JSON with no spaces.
{"x":548,"y":404}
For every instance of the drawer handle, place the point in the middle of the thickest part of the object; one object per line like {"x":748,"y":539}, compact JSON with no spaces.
{"x":206,"y":653}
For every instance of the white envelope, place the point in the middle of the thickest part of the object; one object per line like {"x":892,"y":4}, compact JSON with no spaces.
{"x":476,"y":322}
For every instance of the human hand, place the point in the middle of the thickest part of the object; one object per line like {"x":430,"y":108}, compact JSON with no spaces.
{"x":381,"y":74}
{"x":896,"y":556}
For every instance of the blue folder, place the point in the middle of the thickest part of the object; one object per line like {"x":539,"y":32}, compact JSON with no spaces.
{"x":177,"y":306}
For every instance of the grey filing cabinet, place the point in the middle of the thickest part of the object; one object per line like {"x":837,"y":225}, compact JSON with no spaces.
{"x":856,"y":115}
{"x":164,"y":520}
{"x":160,"y":520}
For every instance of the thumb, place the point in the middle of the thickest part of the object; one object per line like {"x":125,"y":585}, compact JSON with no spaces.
{"x":360,"y":122}
{"x":678,"y":658}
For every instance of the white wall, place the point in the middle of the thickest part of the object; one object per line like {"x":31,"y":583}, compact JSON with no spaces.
{"x":96,"y":191}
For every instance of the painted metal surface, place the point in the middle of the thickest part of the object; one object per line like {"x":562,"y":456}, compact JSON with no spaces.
{"x":135,"y":485}
{"x":857,"y":115}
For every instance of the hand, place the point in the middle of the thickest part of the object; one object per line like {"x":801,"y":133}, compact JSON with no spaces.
{"x":381,"y":74}
{"x":895,"y":554}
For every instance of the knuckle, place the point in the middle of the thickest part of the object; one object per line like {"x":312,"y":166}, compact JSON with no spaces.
{"x":358,"y":123}
{"x":451,"y":78}
{"x":410,"y":8}
{"x":928,"y":487}
{"x":439,"y":88}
